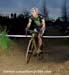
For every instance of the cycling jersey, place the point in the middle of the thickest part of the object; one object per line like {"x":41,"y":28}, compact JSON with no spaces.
{"x":37,"y":22}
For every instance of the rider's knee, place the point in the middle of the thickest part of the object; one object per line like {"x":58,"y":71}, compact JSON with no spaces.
{"x":39,"y":36}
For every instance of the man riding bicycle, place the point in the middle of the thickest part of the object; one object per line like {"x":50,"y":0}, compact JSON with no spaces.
{"x":39,"y":26}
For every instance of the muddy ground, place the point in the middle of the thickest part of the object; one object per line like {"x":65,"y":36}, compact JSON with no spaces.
{"x":55,"y":62}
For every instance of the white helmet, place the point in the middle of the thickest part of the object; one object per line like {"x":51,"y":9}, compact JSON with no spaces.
{"x":34,"y":9}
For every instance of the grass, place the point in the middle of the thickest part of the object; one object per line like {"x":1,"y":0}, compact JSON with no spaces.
{"x":5,"y":42}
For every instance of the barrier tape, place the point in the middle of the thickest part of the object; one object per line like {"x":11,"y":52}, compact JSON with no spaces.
{"x":30,"y":36}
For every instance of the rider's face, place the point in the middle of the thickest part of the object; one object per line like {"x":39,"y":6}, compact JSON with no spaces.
{"x":35,"y":13}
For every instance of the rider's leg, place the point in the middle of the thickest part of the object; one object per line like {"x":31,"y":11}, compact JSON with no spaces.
{"x":39,"y":42}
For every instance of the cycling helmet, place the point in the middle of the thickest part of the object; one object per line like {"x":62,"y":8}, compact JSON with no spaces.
{"x":34,"y":9}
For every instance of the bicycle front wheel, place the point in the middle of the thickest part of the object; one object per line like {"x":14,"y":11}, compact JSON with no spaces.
{"x":29,"y":51}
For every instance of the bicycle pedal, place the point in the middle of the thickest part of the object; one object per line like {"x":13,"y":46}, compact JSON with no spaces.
{"x":40,"y":55}
{"x":30,"y":52}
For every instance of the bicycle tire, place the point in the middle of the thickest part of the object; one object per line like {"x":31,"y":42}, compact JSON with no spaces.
{"x":28,"y":55}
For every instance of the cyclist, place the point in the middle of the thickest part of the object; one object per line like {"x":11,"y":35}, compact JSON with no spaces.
{"x":39,"y":25}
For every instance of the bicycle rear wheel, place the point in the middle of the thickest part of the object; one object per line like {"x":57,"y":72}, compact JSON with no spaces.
{"x":29,"y":51}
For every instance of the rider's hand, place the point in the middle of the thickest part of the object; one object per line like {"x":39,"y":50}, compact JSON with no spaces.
{"x":42,"y":31}
{"x":26,"y":29}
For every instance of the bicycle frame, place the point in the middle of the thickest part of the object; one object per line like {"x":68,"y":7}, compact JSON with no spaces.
{"x":32,"y":44}
{"x":33,"y":41}
{"x":34,"y":34}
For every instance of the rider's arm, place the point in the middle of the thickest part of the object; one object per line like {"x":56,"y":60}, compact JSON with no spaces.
{"x":43,"y":24}
{"x":29,"y":23}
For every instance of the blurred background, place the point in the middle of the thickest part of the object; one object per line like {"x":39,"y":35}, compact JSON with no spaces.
{"x":14,"y":15}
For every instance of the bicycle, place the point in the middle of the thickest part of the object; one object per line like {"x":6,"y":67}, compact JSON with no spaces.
{"x":32,"y":47}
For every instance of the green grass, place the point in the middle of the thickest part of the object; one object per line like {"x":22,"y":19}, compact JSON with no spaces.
{"x":5,"y":42}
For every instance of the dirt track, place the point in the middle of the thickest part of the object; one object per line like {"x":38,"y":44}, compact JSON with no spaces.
{"x":56,"y":59}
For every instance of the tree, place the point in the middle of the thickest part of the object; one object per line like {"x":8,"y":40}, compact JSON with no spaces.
{"x":25,"y":13}
{"x":44,"y":9}
{"x":64,"y":12}
{"x":64,"y":17}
